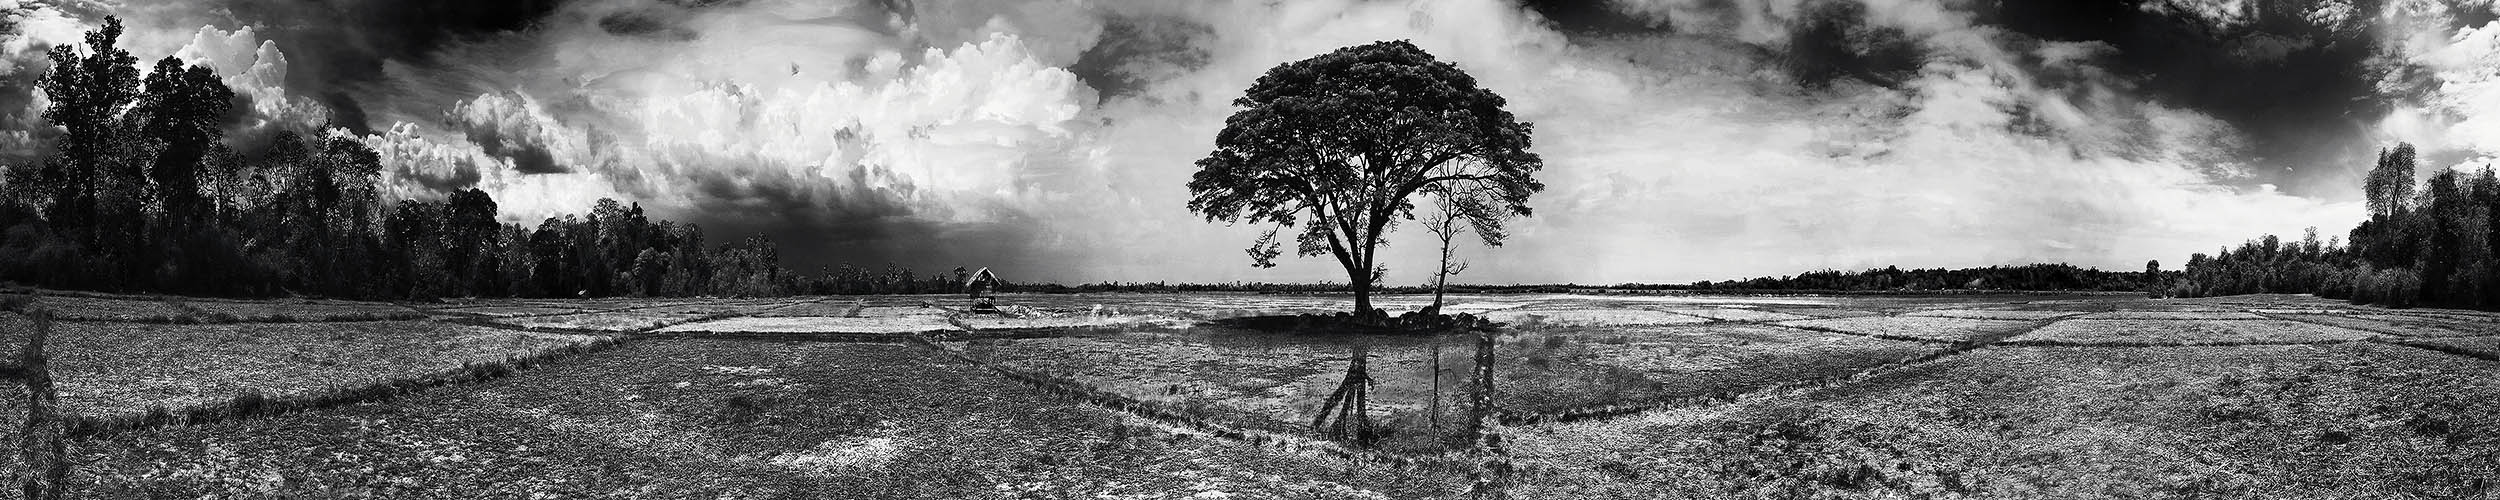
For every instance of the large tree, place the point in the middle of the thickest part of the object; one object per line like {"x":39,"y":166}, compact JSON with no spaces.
{"x":88,"y":89}
{"x":185,"y":108}
{"x":2390,"y":183}
{"x":1336,"y":144}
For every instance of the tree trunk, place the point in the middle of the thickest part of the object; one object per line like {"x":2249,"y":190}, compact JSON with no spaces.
{"x":1441,"y":275}
{"x":1369,"y":261}
{"x":1363,"y":293}
{"x":1440,"y":281}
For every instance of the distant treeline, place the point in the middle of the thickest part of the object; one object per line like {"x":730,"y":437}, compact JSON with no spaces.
{"x":2034,"y":277}
{"x":2432,"y":243}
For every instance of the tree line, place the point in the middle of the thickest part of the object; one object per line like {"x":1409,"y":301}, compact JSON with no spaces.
{"x":2434,"y":242}
{"x":2035,"y":277}
{"x":144,"y":192}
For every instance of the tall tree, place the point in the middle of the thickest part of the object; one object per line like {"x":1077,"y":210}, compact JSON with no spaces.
{"x":186,"y":108}
{"x":469,"y":230}
{"x":2389,"y":185}
{"x":87,"y":91}
{"x":2152,"y":277}
{"x":1339,"y":142}
{"x":1461,"y":207}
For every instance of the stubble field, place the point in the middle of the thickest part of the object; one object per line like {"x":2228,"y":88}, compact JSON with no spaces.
{"x":1149,"y":396}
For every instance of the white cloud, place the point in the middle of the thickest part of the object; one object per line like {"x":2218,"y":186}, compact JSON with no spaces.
{"x":427,"y":166}
{"x":2458,"y":114}
{"x":37,"y":28}
{"x":2468,"y":69}
{"x":256,"y":70}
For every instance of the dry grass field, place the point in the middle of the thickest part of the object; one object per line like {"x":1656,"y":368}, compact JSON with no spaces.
{"x":1141,"y":396}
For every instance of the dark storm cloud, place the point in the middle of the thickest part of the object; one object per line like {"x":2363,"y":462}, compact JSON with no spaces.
{"x":2305,"y":91}
{"x":812,"y":247}
{"x":1832,"y":39}
{"x":643,"y":24}
{"x":2305,"y":81}
{"x":340,"y":47}
{"x":526,"y":156}
{"x":1136,"y":50}
{"x":1592,"y":17}
{"x":36,"y":140}
{"x":866,"y":227}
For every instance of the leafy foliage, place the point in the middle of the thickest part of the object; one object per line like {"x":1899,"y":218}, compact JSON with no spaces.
{"x":2433,"y":244}
{"x":1338,"y":144}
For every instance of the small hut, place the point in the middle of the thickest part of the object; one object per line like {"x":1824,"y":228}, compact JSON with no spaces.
{"x":979,"y":286}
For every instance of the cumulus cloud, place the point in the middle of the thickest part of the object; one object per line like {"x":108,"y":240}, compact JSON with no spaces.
{"x":514,"y":126}
{"x":2456,"y":110}
{"x":418,"y":164}
{"x":257,"y":71}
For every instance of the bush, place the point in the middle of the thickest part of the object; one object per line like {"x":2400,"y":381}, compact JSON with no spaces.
{"x":2397,"y":288}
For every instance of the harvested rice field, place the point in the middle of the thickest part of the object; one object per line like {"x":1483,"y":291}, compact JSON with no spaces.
{"x":1160,"y":396}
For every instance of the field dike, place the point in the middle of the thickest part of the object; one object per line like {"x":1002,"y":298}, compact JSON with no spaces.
{"x":2383,"y":333}
{"x":862,"y":338}
{"x":1879,"y":336}
{"x":2402,"y":340}
{"x":184,"y":313}
{"x":1776,"y":391}
{"x":253,"y":404}
{"x":455,"y":311}
{"x":218,"y":318}
{"x":2121,"y":344}
{"x":492,"y":322}
{"x":2438,"y":347}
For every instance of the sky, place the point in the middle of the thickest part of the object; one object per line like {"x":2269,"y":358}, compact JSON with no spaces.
{"x":1052,"y":140}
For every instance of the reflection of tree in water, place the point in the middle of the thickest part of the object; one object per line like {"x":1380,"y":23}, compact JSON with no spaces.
{"x":1346,"y":415}
{"x":1495,"y":469}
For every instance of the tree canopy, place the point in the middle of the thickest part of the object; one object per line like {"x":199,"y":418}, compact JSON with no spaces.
{"x":2434,"y":241}
{"x":1338,"y":144}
